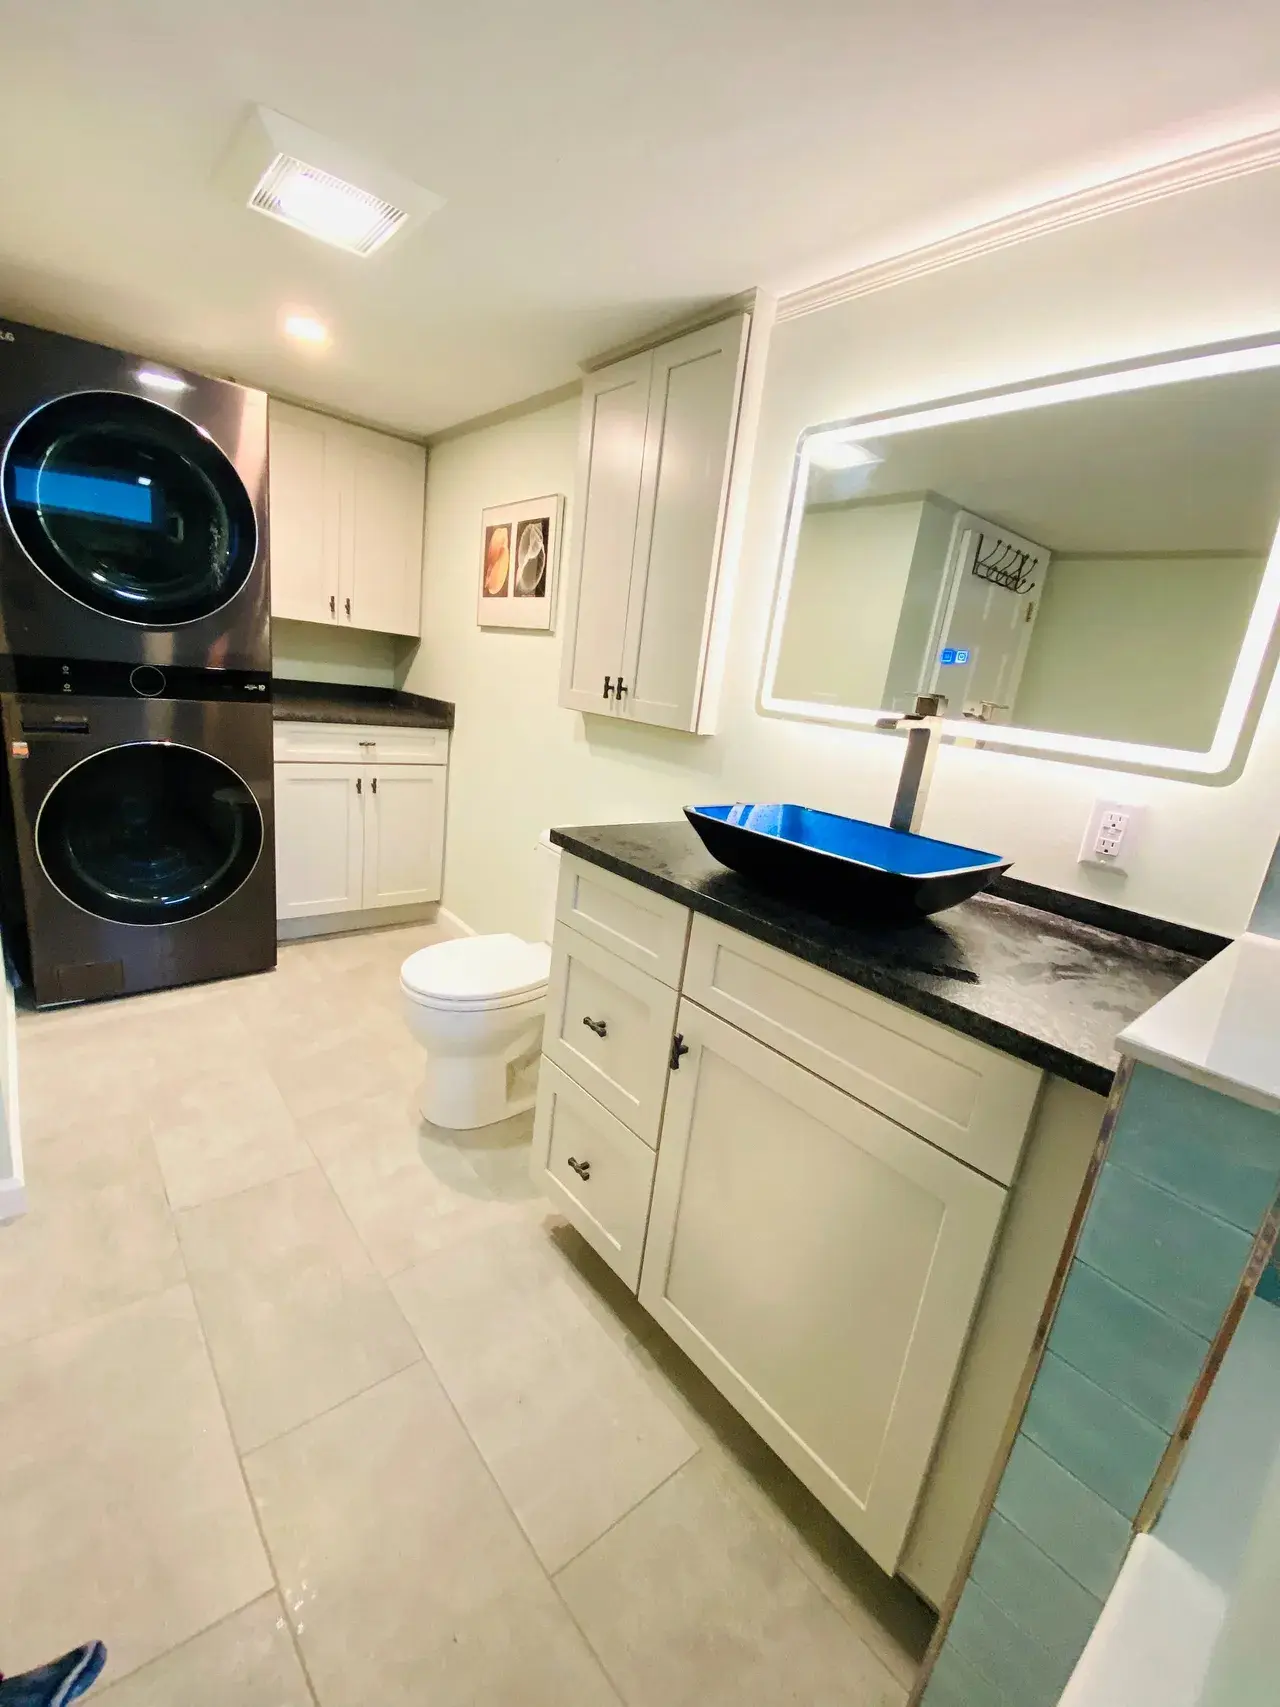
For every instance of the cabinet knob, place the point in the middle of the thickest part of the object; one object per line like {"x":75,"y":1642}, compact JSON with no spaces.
{"x":333,"y":605}
{"x":373,"y":784}
{"x":679,"y":1048}
{"x":599,"y":1026}
{"x":347,"y":604}
{"x":582,"y":1169}
{"x":608,"y":687}
{"x":358,"y":785}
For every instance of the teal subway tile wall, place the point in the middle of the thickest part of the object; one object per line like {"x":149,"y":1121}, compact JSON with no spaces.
{"x":1186,"y":1183}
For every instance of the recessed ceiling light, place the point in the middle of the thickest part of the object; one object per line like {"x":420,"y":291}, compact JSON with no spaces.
{"x":319,"y":186}
{"x":306,"y":329}
{"x":841,"y":453}
{"x":160,"y":381}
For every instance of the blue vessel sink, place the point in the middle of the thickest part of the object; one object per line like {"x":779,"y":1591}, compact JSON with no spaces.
{"x":863,"y":872}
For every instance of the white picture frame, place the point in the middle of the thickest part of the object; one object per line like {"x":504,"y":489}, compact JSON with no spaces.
{"x":519,"y":562}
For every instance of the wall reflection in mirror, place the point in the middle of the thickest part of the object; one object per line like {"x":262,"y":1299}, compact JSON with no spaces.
{"x":1087,"y":567}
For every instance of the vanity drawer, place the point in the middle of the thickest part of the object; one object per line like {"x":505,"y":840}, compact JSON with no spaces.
{"x":644,"y":929}
{"x":968,"y":1099}
{"x":596,"y":1171}
{"x":360,"y":743}
{"x":609,"y":1028}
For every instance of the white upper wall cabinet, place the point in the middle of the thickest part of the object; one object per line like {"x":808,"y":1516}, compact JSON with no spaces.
{"x":346,"y":523}
{"x":656,"y":457}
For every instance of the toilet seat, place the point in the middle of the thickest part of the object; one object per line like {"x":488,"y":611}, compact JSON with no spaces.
{"x":477,"y":973}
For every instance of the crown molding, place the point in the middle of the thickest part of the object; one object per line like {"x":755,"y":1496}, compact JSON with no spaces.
{"x":1154,"y":183}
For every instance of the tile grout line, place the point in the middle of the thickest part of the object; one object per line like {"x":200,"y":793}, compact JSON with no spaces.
{"x":623,"y":1516}
{"x":267,"y":1554}
{"x":110,"y":1682}
{"x":520,"y":1528}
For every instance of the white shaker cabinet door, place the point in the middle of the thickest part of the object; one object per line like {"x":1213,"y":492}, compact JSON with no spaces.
{"x":694,"y":395}
{"x":615,"y":408}
{"x":383,"y":571}
{"x":305,"y":515}
{"x":319,"y":839}
{"x":821,"y":1265}
{"x":404,"y":834}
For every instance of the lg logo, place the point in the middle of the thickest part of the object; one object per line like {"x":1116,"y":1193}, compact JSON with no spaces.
{"x":6,"y":337}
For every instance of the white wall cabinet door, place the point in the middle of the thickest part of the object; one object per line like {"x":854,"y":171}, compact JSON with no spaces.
{"x":615,"y":407}
{"x":320,"y":837}
{"x":306,"y":522}
{"x":382,"y":577}
{"x":346,"y":523}
{"x":404,"y":834}
{"x":694,"y":394}
{"x":821,"y":1265}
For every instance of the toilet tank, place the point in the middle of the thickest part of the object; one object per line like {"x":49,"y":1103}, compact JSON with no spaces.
{"x":547,"y":856}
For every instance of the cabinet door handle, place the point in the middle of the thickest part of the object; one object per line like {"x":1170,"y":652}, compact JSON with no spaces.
{"x":359,"y":781}
{"x":679,"y":1048}
{"x":582,"y":1169}
{"x":608,"y":687}
{"x":621,"y":688}
{"x":599,"y":1026}
{"x":347,"y":604}
{"x":333,"y":605}
{"x":374,"y":784}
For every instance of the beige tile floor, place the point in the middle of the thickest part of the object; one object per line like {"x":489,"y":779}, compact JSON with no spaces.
{"x":304,"y":1404}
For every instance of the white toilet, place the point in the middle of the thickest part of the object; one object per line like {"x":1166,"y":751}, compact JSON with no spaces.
{"x":476,"y":1005}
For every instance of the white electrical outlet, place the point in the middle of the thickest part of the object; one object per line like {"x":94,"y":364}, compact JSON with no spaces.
{"x":1111,"y":833}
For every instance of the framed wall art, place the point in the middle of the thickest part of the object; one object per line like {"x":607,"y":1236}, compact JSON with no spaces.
{"x":519,"y":554}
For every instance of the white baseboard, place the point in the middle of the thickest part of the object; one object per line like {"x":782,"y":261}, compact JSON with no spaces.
{"x":452,"y":922}
{"x":343,"y":924}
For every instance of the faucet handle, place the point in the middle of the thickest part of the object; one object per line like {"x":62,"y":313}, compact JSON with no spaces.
{"x":928,"y":705}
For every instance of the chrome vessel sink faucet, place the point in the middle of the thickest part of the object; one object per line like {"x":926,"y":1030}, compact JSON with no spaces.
{"x":924,"y":734}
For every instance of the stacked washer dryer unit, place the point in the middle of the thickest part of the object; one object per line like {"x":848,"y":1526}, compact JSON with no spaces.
{"x":136,"y":651}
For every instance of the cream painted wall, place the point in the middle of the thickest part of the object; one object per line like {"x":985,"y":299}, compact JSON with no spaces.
{"x":1198,"y":267}
{"x":308,"y":652}
{"x":846,"y":599}
{"x":1137,"y":648}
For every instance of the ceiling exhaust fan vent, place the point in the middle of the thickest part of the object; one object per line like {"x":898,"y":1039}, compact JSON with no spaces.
{"x":325,"y":206}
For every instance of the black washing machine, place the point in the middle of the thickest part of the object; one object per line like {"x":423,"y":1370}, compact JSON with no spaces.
{"x":133,"y":509}
{"x":143,"y":829}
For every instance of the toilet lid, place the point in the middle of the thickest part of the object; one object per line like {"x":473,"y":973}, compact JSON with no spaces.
{"x":476,"y":969}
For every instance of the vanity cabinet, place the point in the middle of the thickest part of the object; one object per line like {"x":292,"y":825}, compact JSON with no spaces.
{"x":804,"y":1182}
{"x":346,"y":523}
{"x":359,"y":818}
{"x":659,"y":436}
{"x":821,"y":1264}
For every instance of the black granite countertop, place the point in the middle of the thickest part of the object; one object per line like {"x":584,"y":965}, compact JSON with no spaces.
{"x":333,"y":702}
{"x":1051,"y":990}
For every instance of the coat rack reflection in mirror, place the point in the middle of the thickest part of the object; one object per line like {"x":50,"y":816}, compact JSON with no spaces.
{"x":1004,"y":565}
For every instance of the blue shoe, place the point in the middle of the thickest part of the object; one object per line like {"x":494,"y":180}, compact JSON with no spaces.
{"x":57,"y":1683}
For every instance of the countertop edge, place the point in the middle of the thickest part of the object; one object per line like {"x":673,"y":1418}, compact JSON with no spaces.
{"x":296,"y":701}
{"x":1035,"y":1051}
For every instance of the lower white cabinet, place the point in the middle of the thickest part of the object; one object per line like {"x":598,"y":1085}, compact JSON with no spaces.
{"x":821,"y":1265}
{"x":609,"y":1027}
{"x":403,"y":834}
{"x":595,"y":1168}
{"x":320,"y":835}
{"x":356,"y":837}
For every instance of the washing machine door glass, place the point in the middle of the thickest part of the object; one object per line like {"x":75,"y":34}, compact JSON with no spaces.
{"x":129,"y":508}
{"x":149,"y":834}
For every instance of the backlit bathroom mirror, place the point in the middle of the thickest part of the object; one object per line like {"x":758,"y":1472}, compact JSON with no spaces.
{"x":1084,"y":566}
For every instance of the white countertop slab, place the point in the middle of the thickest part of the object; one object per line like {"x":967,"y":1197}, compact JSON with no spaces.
{"x":1222,"y":1027}
{"x":1152,"y":1645}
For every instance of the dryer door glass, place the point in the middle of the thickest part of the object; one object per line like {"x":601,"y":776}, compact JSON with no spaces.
{"x":149,"y":834}
{"x":129,"y":508}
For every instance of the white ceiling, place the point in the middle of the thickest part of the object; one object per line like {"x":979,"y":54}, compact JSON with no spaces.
{"x":1176,"y":468}
{"x":608,"y":164}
